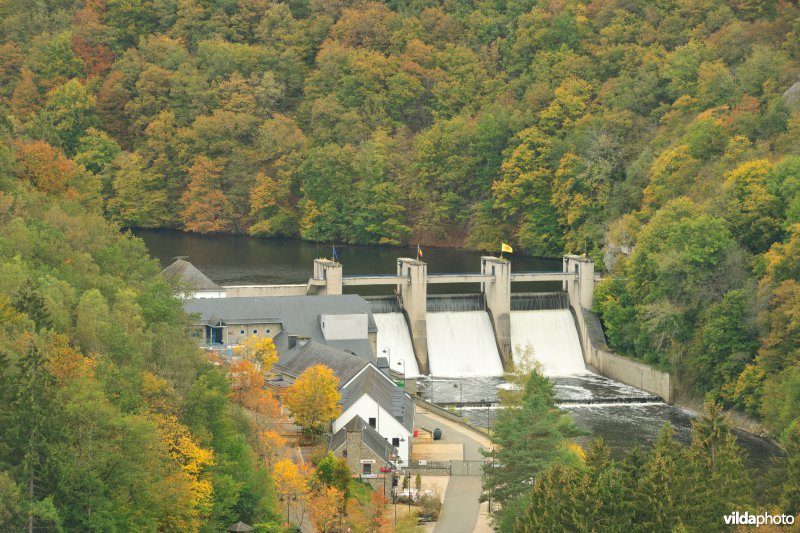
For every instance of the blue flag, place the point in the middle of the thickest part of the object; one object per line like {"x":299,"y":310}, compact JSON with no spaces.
{"x":335,"y":255}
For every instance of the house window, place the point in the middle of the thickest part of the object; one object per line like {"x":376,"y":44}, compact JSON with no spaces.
{"x":373,"y":423}
{"x":395,"y":442}
{"x":367,"y":469}
{"x":255,"y":331}
{"x":267,"y":331}
{"x":241,"y":332}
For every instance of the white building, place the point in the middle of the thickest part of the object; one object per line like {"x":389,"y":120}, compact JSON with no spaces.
{"x":374,"y":397}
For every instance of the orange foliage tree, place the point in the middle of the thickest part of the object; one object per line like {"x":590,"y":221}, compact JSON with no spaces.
{"x":313,"y":400}
{"x":269,"y":446}
{"x":205,"y":206}
{"x":44,"y":166}
{"x":325,"y":507}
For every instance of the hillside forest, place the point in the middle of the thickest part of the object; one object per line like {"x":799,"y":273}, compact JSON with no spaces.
{"x":661,"y":138}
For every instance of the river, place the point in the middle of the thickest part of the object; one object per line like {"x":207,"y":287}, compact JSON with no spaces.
{"x":243,"y":260}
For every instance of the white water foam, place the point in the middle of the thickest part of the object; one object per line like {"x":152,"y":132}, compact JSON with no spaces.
{"x":394,"y":337}
{"x":462,"y":344}
{"x":554,"y":338}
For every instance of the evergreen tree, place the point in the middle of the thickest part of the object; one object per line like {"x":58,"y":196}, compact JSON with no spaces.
{"x":525,"y":442}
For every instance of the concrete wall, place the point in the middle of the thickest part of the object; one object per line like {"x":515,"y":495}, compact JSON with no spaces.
{"x":598,"y":356}
{"x":413,"y":295}
{"x":633,"y":373}
{"x":498,"y":303}
{"x":236,"y":291}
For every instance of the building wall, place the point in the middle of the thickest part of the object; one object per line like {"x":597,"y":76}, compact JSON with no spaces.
{"x":264,"y":329}
{"x":386,"y":424}
{"x":358,"y":453}
{"x":342,"y":327}
{"x":235,"y":291}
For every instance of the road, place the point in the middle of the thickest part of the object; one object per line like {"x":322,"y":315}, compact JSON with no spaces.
{"x":461,"y":510}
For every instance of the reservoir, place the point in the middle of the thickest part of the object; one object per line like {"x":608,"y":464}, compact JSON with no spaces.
{"x":242,"y":260}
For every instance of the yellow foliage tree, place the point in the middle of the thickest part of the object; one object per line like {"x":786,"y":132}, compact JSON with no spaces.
{"x":291,"y":482}
{"x":313,"y":400}
{"x":260,"y":350}
{"x":193,"y":460}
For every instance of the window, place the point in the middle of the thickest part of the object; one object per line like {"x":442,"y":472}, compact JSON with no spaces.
{"x":241,"y":332}
{"x":255,"y":331}
{"x":367,"y":468}
{"x":372,"y":423}
{"x":267,"y":331}
{"x":395,"y":442}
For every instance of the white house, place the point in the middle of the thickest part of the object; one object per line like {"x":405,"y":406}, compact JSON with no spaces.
{"x":374,"y":397}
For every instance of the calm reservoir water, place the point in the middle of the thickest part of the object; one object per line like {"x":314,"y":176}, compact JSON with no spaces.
{"x":243,"y":260}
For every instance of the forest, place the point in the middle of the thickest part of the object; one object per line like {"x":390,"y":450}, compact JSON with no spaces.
{"x":661,"y":138}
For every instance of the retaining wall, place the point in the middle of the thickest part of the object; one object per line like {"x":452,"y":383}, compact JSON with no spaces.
{"x":599,"y":357}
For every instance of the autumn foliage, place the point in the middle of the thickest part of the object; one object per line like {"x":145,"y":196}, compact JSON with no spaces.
{"x":313,"y":400}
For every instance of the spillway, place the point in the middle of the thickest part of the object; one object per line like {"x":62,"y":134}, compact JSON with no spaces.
{"x":553,"y":337}
{"x":394,"y":337}
{"x":461,"y":344}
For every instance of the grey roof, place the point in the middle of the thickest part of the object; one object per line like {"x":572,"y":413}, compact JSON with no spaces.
{"x":298,"y":314}
{"x":189,"y":275}
{"x":344,"y":365}
{"x":792,"y":96}
{"x":240,"y":526}
{"x":381,"y":389}
{"x":369,"y":436}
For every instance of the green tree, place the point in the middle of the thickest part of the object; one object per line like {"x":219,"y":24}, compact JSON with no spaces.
{"x":525,"y":442}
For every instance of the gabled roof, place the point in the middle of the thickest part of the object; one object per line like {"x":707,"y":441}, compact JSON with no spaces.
{"x":298,"y":314}
{"x":189,"y":275}
{"x":369,"y":436}
{"x":383,"y":390}
{"x":306,"y":354}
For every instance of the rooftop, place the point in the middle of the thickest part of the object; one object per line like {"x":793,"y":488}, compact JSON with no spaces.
{"x":189,"y":275}
{"x":384,"y":391}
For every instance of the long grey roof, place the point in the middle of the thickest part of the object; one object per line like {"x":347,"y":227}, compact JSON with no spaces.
{"x":369,"y":436}
{"x":189,"y":276}
{"x":381,"y":389}
{"x":298,"y":314}
{"x":344,"y":365}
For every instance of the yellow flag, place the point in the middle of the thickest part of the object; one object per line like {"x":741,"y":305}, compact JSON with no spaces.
{"x":506,"y":248}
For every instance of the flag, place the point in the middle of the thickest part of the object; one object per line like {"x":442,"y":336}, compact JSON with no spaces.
{"x":506,"y":248}
{"x":335,"y":255}
{"x":419,"y":253}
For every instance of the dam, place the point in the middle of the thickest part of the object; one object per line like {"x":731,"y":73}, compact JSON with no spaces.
{"x":621,"y":414}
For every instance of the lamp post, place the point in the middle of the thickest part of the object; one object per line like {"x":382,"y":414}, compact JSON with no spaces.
{"x":460,"y":387}
{"x":403,"y":362}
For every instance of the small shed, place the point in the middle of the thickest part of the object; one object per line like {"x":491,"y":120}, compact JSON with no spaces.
{"x":240,"y":526}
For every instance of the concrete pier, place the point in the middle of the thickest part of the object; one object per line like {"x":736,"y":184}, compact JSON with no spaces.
{"x":497,"y":293}
{"x":327,"y":278}
{"x":412,"y":290}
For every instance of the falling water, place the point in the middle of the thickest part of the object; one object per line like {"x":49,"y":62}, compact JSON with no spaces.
{"x":553,"y":338}
{"x":462,"y":344}
{"x":394,"y":341}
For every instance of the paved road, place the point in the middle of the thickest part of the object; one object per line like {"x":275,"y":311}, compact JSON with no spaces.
{"x":472,"y":440}
{"x":460,"y":507}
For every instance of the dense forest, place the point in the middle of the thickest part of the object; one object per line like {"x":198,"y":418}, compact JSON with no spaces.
{"x":662,"y":138}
